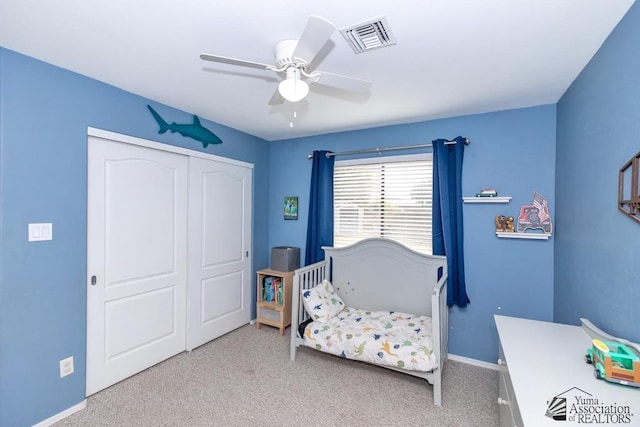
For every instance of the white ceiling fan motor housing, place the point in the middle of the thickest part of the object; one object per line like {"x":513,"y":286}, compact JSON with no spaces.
{"x":284,"y":53}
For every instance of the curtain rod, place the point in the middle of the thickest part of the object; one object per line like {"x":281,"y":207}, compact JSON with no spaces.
{"x":467,"y":141}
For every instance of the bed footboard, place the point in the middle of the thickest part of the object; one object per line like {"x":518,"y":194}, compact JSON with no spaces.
{"x":440,"y":334}
{"x":303,"y":278}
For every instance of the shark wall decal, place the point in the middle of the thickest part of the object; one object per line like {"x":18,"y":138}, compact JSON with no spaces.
{"x":193,"y":130}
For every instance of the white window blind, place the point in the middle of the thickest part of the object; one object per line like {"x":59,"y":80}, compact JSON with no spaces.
{"x":388,"y":197}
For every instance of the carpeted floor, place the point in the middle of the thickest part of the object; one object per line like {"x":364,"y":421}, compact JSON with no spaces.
{"x":245,"y":378}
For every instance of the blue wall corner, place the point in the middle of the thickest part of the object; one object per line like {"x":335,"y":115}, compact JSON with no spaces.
{"x":513,"y":151}
{"x":597,"y":273}
{"x":44,"y":115}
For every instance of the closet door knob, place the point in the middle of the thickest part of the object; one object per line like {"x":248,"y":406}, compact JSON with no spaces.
{"x":94,"y":280}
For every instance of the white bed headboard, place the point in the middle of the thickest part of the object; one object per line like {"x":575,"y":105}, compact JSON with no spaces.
{"x":381,"y":274}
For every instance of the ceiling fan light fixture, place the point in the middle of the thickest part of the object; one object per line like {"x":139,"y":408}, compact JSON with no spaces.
{"x":293,"y":89}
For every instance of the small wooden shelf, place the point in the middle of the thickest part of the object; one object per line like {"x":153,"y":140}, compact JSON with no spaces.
{"x":497,"y":199}
{"x":531,"y":236}
{"x":277,"y":311}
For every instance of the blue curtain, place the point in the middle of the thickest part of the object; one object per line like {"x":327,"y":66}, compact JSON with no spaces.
{"x":447,"y":215}
{"x":320,"y":225}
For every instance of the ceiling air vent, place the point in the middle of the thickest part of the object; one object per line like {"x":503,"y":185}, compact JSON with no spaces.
{"x":369,"y":35}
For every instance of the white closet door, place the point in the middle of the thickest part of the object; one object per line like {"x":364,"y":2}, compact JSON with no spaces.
{"x":137,"y":269}
{"x":219,"y":249}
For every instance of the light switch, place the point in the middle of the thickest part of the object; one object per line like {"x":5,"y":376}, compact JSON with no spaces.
{"x":40,"y":231}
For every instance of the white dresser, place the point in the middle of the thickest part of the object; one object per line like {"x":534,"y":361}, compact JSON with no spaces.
{"x":542,"y":363}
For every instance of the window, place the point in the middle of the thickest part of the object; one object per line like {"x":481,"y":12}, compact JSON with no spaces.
{"x":384,"y":197}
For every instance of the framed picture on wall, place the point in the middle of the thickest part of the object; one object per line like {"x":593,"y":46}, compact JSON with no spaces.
{"x":291,"y":207}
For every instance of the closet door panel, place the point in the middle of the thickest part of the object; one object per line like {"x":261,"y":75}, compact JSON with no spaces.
{"x":219,"y":249}
{"x":136,"y":259}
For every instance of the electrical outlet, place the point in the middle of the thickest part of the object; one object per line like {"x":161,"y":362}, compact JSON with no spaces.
{"x":66,"y":367}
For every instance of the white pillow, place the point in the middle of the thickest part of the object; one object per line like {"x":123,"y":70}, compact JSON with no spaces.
{"x":322,"y":302}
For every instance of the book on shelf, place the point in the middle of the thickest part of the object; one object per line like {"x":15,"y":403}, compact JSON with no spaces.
{"x":272,"y":290}
{"x":277,"y":288}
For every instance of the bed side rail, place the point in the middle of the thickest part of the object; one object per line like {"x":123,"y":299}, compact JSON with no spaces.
{"x":304,"y":278}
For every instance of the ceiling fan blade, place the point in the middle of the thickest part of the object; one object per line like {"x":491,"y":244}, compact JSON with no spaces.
{"x":315,"y":35}
{"x":233,"y":61}
{"x":339,"y":81}
{"x":276,"y":99}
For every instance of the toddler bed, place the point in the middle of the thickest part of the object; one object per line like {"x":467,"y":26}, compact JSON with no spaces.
{"x":376,"y":301}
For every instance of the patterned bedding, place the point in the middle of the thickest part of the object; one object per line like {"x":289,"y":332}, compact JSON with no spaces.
{"x":380,"y":337}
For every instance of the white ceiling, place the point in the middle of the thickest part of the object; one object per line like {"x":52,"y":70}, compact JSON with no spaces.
{"x":453,"y":57}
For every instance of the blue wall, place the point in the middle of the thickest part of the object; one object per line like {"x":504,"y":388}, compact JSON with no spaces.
{"x":44,"y":114}
{"x":513,"y":151}
{"x":597,"y":272}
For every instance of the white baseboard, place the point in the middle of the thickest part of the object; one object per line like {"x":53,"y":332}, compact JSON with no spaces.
{"x":474,"y":362}
{"x":61,"y":415}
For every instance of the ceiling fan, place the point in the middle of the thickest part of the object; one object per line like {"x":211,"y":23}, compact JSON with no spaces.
{"x":293,"y":59}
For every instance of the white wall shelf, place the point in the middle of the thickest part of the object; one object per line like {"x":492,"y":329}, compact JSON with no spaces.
{"x":503,"y":199}
{"x":533,"y":236}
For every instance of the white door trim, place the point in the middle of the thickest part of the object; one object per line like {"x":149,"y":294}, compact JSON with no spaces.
{"x":105,"y":134}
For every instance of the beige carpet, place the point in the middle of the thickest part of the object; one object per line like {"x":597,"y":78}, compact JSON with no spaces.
{"x":245,"y":378}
